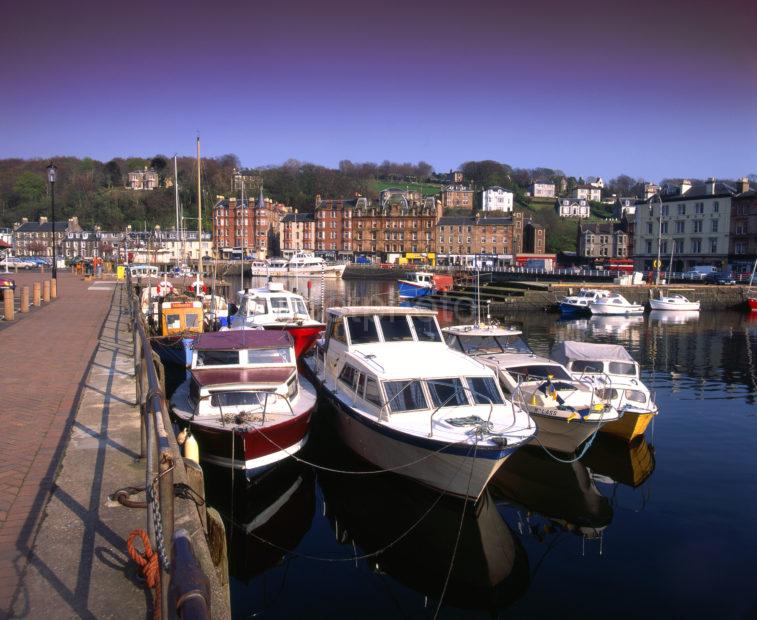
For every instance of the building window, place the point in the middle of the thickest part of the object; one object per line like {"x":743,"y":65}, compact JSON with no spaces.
{"x":664,"y":228}
{"x":681,"y":209}
{"x":697,"y":226}
{"x":649,"y":228}
{"x":680,"y":226}
{"x":665,"y":209}
{"x":699,"y":208}
{"x":696,"y":246}
{"x":713,"y":246}
{"x":716,"y":206}
{"x":649,"y":247}
{"x":714,"y":225}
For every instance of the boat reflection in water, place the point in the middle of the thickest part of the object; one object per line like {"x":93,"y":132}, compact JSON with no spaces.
{"x":612,"y":461}
{"x":674,"y":317}
{"x":278,"y":507}
{"x":563,"y":493}
{"x":371,"y":512}
{"x":614,"y":325}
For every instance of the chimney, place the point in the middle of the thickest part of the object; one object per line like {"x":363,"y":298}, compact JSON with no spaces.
{"x":685,"y":186}
{"x":709,"y":186}
{"x":743,"y":185}
{"x":317,"y":200}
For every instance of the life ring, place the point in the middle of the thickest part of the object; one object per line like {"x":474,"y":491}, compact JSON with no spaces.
{"x":164,"y":288}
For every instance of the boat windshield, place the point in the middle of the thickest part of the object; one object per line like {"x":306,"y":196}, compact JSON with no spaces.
{"x":477,"y":345}
{"x":405,"y":396}
{"x":299,"y":307}
{"x":279,"y":305}
{"x":587,"y":366}
{"x":426,"y":329}
{"x":362,"y":329}
{"x":538,"y":372}
{"x":447,"y":392}
{"x":395,"y":328}
{"x":623,"y":368}
{"x":279,"y":355}
{"x":236,"y":399}
{"x":484,"y":391}
{"x":217,"y":358}
{"x":253,"y":306}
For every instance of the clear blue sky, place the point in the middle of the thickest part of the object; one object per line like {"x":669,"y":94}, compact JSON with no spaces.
{"x":650,"y":89}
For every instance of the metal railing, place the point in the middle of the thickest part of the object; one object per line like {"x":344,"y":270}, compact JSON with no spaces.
{"x":184,"y":591}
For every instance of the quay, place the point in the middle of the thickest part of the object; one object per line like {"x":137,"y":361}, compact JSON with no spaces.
{"x":74,"y":432}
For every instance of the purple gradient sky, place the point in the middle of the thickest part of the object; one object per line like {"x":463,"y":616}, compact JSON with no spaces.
{"x":646,"y":88}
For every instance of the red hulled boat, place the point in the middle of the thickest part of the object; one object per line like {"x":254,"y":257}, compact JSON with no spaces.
{"x":243,"y":400}
{"x":274,"y":308}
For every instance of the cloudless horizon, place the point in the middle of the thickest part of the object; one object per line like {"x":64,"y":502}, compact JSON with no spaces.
{"x":647,"y":89}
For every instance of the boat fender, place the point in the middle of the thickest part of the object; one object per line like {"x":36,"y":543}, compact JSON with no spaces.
{"x":191,"y":449}
{"x":181,"y":437}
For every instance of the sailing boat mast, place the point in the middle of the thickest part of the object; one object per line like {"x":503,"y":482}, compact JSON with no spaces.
{"x":245,"y":214}
{"x":199,"y":214}
{"x":176,"y":201}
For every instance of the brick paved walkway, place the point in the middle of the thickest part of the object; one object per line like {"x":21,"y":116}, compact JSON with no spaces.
{"x":44,"y":359}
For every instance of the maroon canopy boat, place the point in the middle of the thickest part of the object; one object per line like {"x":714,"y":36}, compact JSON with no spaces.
{"x":243,"y":399}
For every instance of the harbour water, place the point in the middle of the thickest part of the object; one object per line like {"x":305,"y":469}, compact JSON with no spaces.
{"x":663,"y":527}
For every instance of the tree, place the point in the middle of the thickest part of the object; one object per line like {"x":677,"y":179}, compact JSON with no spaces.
{"x":29,"y":187}
{"x":113,"y":175}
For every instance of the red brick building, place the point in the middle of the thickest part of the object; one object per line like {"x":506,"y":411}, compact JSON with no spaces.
{"x":249,"y":228}
{"x":297,"y":232}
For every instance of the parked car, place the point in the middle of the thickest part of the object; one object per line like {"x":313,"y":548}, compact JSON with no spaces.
{"x":7,"y":283}
{"x":720,"y":277}
{"x":700,"y":272}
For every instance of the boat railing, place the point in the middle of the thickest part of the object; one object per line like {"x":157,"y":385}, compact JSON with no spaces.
{"x":268,"y":395}
{"x":183,"y":583}
{"x":444,"y":404}
{"x":371,"y":358}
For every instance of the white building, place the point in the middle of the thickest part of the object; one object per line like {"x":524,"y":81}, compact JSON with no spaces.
{"x":586,"y":192}
{"x":693,"y":224}
{"x":571,"y":207}
{"x":624,"y":205}
{"x":542,"y":189}
{"x":496,"y":199}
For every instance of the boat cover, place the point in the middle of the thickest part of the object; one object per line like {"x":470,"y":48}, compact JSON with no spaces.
{"x":235,"y":340}
{"x":569,"y":350}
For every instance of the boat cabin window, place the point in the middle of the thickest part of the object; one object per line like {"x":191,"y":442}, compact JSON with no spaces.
{"x":587,"y":366}
{"x":372,"y":393}
{"x":337,"y":331}
{"x":279,"y":305}
{"x":426,"y":329}
{"x":447,"y":392}
{"x":217,"y":358}
{"x":299,"y":307}
{"x":236,"y":399}
{"x":538,"y":372}
{"x":636,"y":396}
{"x":348,"y":376}
{"x":279,"y":355}
{"x":395,"y":328}
{"x":362,"y":329}
{"x":252,"y":306}
{"x":485,"y":391}
{"x":173,"y":321}
{"x":190,"y":320}
{"x":474,"y":345}
{"x":623,"y":368}
{"x":405,"y":396}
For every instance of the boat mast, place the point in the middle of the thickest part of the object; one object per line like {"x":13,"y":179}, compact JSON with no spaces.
{"x":245,"y":213}
{"x":176,"y":201}
{"x":199,"y":214}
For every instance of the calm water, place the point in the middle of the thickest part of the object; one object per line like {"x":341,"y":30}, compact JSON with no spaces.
{"x":662,"y":528}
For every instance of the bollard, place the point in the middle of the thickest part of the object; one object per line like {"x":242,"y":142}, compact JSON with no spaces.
{"x":25,"y":299}
{"x":8,"y":301}
{"x":37,"y":294}
{"x":46,"y":291}
{"x":54,"y":288}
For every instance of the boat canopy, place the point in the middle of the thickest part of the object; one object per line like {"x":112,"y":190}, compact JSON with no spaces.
{"x":236,"y":340}
{"x":570,"y":350}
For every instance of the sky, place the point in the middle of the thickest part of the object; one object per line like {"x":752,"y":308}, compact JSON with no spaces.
{"x":650,"y":89}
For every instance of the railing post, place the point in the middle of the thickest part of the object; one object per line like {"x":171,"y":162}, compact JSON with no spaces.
{"x":166,"y":466}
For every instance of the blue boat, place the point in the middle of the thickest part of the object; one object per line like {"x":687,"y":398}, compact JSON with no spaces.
{"x":417,"y":284}
{"x":579,"y":304}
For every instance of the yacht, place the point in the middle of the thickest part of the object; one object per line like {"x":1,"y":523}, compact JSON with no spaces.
{"x":274,"y":308}
{"x":406,"y":403}
{"x":572,"y":304}
{"x":616,"y":376}
{"x":243,"y":399}
{"x":301,"y":264}
{"x":567,"y":412}
{"x":421,"y":283}
{"x":615,"y":304}
{"x":673,"y":301}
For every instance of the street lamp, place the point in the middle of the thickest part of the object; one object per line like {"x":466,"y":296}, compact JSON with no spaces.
{"x":659,"y":234}
{"x":51,"y":175}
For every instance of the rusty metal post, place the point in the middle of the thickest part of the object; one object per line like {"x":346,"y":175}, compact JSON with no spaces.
{"x":166,"y":465}
{"x":24,"y":299}
{"x":37,"y":296}
{"x":46,"y":291}
{"x":10,"y":310}
{"x":54,"y":288}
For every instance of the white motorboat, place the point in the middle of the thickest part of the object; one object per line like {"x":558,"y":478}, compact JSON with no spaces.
{"x":273,"y":307}
{"x":566,"y":411}
{"x":616,"y":376}
{"x":243,"y":400}
{"x":571,"y":304}
{"x":615,"y":304}
{"x":301,"y":264}
{"x":673,"y":301}
{"x":407,"y":403}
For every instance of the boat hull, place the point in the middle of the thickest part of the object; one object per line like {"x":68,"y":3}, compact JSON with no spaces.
{"x":629,"y":426}
{"x":656,"y":304}
{"x":304,"y":336}
{"x":249,"y":449}
{"x":607,"y":310}
{"x":557,"y":434}
{"x":330,"y":271}
{"x":752,"y":303}
{"x":408,"y":290}
{"x":173,"y":350}
{"x":568,"y":308}
{"x":459,"y":470}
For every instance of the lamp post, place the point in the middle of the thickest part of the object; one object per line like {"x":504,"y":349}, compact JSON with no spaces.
{"x":51,"y":175}
{"x":659,"y":235}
